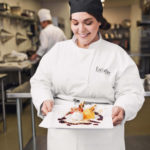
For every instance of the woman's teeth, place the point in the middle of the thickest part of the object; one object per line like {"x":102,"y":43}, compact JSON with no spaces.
{"x":83,"y":35}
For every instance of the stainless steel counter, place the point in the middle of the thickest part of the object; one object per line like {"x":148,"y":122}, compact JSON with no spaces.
{"x":18,"y":97}
{"x":15,"y":66}
{"x":147,"y":94}
{"x":2,"y":77}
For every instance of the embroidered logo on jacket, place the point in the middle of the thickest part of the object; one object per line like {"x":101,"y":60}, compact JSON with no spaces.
{"x":102,"y":70}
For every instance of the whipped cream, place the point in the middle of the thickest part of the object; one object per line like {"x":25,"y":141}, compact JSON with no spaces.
{"x":76,"y":116}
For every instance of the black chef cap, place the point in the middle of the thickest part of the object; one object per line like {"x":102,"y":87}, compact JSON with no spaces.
{"x":93,"y":7}
{"x":105,"y":25}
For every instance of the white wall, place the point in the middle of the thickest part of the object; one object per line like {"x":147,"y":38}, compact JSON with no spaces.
{"x":135,"y":31}
{"x":117,"y":14}
{"x":24,"y":4}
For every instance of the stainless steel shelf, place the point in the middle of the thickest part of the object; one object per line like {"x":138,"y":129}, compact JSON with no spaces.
{"x":12,"y":16}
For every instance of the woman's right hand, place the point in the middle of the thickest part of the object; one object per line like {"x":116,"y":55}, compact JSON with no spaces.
{"x":33,"y":57}
{"x":47,"y":107}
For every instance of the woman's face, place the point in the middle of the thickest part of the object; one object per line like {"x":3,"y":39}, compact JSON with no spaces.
{"x":85,"y":27}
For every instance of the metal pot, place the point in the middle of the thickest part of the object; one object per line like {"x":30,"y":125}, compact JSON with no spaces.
{"x":4,"y":7}
{"x":28,"y":13}
{"x":16,"y":10}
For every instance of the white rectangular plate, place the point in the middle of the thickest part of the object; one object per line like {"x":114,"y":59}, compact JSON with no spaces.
{"x":51,"y":120}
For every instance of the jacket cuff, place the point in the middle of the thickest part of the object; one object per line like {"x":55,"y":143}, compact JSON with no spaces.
{"x":131,"y":105}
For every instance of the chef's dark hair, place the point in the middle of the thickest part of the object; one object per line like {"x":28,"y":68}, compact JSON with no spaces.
{"x":92,"y":7}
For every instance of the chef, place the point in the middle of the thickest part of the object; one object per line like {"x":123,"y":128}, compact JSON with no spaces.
{"x":49,"y":34}
{"x":91,"y":69}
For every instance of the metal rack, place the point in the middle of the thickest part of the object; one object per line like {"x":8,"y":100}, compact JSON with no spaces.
{"x":118,"y":35}
{"x":12,"y":16}
{"x":144,"y":64}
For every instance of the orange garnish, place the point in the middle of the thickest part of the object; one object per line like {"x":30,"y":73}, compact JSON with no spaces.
{"x":89,"y":113}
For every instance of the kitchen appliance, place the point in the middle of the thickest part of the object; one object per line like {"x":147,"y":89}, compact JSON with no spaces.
{"x":4,"y":7}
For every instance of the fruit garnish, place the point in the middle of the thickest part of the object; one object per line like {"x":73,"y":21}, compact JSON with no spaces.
{"x":81,"y":105}
{"x":93,"y":108}
{"x":89,"y":113}
{"x":79,"y":115}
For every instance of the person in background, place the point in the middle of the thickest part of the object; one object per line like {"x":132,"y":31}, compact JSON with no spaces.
{"x":91,"y":69}
{"x":49,"y":34}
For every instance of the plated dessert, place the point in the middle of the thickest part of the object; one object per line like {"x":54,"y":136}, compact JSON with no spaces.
{"x":82,"y":115}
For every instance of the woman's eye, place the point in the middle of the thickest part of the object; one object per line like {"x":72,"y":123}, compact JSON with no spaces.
{"x":88,"y":23}
{"x":75,"y":23}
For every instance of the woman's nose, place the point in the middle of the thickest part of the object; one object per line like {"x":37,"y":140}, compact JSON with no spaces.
{"x":81,"y":28}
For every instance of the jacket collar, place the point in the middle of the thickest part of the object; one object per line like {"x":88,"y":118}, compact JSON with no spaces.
{"x":92,"y":45}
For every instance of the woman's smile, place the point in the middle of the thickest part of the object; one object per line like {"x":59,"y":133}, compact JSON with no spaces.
{"x":83,"y":35}
{"x":85,"y":28}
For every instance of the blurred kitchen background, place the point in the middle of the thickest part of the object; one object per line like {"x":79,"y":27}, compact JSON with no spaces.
{"x":19,"y":38}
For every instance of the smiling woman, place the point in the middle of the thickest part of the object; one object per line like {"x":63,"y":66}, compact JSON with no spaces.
{"x":91,"y":69}
{"x":85,"y":27}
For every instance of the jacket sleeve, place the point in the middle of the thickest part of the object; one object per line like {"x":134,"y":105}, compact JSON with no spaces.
{"x":63,"y":37}
{"x":129,"y":91}
{"x":43,"y":44}
{"x":41,"y":82}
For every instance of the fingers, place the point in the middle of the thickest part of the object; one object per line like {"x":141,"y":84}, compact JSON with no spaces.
{"x":33,"y":57}
{"x":117,"y":115}
{"x":47,"y":107}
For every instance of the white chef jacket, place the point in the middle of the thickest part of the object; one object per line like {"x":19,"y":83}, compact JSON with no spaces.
{"x":48,"y":37}
{"x":103,"y":73}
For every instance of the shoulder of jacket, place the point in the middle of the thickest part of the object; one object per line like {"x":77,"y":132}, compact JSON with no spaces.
{"x":112,"y":47}
{"x":48,"y":28}
{"x":65,"y":43}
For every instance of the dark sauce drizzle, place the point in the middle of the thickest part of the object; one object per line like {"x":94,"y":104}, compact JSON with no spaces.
{"x":93,"y":122}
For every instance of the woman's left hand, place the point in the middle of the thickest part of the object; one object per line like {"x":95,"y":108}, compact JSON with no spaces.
{"x":117,"y":115}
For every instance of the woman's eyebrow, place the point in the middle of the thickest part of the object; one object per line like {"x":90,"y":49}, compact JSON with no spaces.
{"x":74,"y":20}
{"x":88,"y":19}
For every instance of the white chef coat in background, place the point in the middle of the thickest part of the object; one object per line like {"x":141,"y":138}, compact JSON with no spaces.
{"x":48,"y":37}
{"x":102,"y":73}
